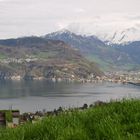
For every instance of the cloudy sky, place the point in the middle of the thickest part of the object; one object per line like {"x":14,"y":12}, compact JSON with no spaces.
{"x":38,"y":17}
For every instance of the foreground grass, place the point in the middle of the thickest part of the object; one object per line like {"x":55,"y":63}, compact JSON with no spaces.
{"x":113,"y":121}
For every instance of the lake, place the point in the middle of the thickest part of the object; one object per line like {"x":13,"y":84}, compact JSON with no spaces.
{"x":31,"y":96}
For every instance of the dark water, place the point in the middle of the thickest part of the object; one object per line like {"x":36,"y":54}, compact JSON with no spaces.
{"x":38,"y":95}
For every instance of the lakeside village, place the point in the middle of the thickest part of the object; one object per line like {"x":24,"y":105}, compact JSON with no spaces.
{"x":115,"y":77}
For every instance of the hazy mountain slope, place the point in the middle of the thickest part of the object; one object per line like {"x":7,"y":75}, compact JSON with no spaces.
{"x":33,"y":57}
{"x":132,"y":49}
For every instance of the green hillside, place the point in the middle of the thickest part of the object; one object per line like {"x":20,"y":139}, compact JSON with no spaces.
{"x":33,"y":57}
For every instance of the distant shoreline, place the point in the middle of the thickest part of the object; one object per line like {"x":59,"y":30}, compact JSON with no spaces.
{"x":132,"y":83}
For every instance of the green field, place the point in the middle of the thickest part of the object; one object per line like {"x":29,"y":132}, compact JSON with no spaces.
{"x":113,"y":121}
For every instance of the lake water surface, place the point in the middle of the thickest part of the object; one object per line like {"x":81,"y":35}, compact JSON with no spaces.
{"x":38,"y":95}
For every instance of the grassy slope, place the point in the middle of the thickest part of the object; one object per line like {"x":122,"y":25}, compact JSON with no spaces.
{"x":104,"y":66}
{"x":114,"y":121}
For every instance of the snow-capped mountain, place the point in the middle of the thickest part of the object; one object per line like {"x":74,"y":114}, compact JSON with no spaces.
{"x":121,"y":36}
{"x":82,"y":42}
{"x":113,"y":34}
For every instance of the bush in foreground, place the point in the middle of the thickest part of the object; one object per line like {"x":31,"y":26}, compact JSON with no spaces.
{"x":113,"y":121}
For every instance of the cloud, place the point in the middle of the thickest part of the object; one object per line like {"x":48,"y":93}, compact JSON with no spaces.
{"x":20,"y":17}
{"x":79,"y":10}
{"x":134,"y":17}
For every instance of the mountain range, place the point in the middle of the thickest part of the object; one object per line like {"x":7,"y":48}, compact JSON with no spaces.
{"x":107,"y":56}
